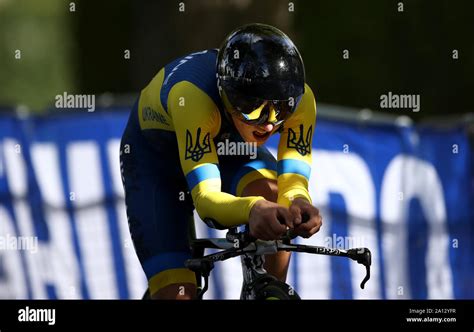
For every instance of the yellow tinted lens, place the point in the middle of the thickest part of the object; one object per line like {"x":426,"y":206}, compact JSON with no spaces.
{"x":272,"y":117}
{"x":255,"y":114}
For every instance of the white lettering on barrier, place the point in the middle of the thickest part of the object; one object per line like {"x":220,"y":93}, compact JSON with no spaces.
{"x":12,"y":283}
{"x":16,"y":171}
{"x":415,"y":179}
{"x":64,"y":271}
{"x":349,"y":176}
{"x":84,"y":170}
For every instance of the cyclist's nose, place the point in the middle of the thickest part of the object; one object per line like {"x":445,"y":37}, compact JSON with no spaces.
{"x":268,"y":127}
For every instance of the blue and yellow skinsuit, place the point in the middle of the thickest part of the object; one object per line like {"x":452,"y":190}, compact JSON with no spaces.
{"x":168,"y":151}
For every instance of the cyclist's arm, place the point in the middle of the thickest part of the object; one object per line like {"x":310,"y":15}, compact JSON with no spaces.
{"x":294,"y":151}
{"x":194,"y":113}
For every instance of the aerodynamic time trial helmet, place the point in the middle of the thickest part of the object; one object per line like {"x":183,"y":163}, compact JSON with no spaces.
{"x":260,"y":74}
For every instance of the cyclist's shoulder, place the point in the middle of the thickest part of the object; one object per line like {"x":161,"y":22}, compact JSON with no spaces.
{"x":189,"y":100}
{"x":191,"y":107}
{"x":191,"y":77}
{"x":198,"y":68}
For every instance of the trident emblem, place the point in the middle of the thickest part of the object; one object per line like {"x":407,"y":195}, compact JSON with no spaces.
{"x":303,"y":146}
{"x":197,"y":151}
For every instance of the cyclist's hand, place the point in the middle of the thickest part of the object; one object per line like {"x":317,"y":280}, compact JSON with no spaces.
{"x":268,"y":220}
{"x":300,"y":207}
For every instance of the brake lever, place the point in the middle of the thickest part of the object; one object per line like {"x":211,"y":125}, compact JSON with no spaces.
{"x":364,"y":257}
{"x":367,"y":276}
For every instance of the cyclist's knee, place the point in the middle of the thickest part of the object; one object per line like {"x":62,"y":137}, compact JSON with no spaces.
{"x":179,"y":291}
{"x":267,"y":188}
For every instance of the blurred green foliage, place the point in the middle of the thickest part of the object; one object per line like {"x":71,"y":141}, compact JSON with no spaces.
{"x":40,"y":31}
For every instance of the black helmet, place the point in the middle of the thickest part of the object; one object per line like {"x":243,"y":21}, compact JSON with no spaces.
{"x":258,"y":67}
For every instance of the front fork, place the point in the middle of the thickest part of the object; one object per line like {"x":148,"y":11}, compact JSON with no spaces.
{"x":253,"y":270}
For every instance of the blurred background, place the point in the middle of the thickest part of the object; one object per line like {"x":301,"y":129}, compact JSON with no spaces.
{"x":79,"y":46}
{"x":399,"y":181}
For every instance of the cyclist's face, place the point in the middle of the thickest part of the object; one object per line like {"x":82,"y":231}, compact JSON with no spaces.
{"x":254,"y":133}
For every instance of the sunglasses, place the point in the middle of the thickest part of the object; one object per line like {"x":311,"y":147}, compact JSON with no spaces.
{"x":256,"y":111}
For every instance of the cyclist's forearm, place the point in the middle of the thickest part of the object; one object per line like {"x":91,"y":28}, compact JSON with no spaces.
{"x":226,"y":209}
{"x":291,"y":186}
{"x":286,"y":198}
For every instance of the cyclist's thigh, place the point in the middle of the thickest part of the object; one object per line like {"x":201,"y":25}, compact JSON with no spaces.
{"x":158,"y":209}
{"x":237,"y":172}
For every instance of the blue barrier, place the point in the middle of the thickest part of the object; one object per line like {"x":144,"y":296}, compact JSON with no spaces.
{"x":404,"y":192}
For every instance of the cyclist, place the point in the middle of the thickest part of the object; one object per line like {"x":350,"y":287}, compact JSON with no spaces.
{"x":251,"y":88}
